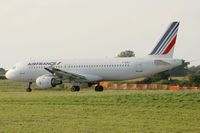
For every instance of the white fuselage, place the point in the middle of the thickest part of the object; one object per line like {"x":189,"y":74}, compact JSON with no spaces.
{"x":94,"y":70}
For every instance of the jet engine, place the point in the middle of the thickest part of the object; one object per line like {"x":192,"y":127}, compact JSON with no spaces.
{"x":47,"y":81}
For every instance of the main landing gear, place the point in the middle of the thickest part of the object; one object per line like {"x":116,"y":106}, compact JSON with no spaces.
{"x":99,"y":88}
{"x":29,"y":87}
{"x":75,"y":88}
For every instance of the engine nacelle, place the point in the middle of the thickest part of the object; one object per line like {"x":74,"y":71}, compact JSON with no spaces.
{"x":47,"y":81}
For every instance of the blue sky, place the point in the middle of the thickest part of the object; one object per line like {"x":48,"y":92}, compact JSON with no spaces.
{"x":50,"y":29}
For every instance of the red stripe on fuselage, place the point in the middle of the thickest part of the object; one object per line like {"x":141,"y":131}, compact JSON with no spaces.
{"x":170,"y":46}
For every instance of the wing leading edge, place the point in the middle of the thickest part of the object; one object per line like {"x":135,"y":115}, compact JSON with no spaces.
{"x":66,"y":75}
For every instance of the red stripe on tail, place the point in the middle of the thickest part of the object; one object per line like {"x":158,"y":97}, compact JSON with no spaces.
{"x":170,"y":46}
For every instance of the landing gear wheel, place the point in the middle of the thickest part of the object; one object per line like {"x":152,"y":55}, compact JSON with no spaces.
{"x":99,"y":88}
{"x":28,"y":90}
{"x":75,"y":88}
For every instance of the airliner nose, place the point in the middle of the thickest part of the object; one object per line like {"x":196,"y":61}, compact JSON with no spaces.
{"x":8,"y":75}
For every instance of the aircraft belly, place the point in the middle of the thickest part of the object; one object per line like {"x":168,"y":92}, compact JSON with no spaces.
{"x":115,"y":75}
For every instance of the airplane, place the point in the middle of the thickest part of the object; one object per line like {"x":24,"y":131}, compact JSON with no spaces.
{"x":88,"y":72}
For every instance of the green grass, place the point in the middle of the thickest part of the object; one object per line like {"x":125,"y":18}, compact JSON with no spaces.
{"x":111,"y":111}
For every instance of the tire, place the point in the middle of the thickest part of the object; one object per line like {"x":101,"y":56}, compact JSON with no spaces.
{"x":28,"y":90}
{"x":99,"y":88}
{"x":77,"y":88}
{"x":73,"y":89}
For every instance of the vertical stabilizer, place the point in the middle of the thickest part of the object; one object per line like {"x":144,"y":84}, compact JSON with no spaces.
{"x":165,"y":47}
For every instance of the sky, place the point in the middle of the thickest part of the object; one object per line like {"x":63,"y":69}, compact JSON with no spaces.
{"x":71,"y":29}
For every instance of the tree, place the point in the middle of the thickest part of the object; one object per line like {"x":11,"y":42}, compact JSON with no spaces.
{"x":2,"y":73}
{"x":194,"y":79}
{"x":155,"y":78}
{"x":126,"y":53}
{"x":194,"y":70}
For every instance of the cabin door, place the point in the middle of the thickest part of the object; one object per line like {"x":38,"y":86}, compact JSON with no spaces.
{"x":139,"y":67}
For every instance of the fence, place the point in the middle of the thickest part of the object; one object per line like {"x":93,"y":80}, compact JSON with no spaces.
{"x":145,"y":86}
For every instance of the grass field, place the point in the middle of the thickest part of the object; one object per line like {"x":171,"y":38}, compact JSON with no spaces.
{"x":111,"y":111}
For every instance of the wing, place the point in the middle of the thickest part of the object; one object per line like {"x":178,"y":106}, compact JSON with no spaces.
{"x":66,"y":75}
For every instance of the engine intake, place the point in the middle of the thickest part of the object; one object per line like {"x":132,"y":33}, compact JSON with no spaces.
{"x":47,"y":81}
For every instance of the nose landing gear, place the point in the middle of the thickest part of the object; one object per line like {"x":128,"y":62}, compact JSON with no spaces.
{"x":29,"y":87}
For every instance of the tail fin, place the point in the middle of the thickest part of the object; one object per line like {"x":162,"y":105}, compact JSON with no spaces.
{"x":165,"y":47}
